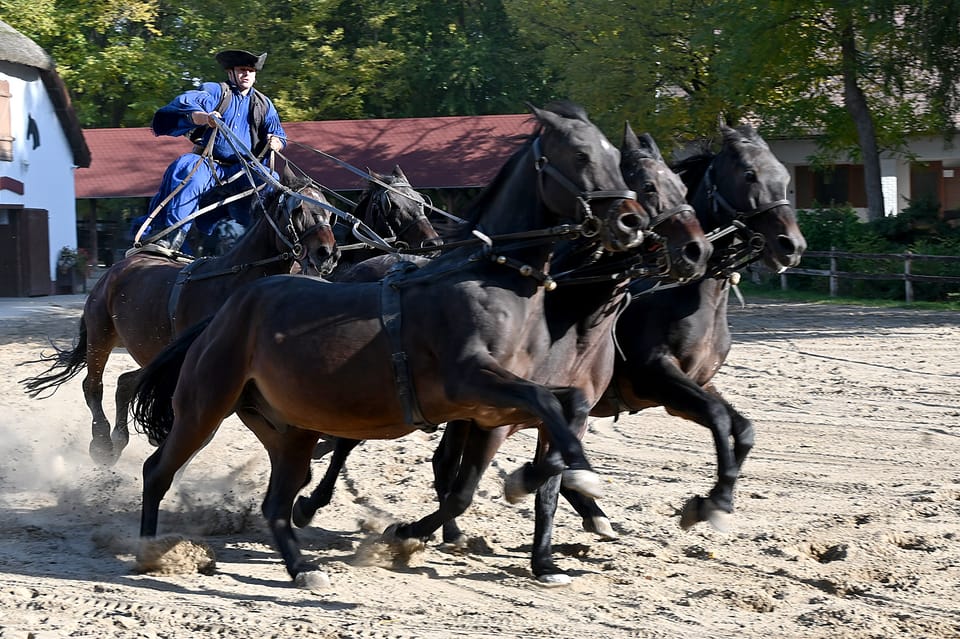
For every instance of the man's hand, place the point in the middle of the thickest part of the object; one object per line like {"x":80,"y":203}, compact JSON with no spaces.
{"x":275,"y":143}
{"x":204,"y":119}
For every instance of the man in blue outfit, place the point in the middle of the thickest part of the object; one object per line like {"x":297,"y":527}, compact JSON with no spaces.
{"x":249,"y":114}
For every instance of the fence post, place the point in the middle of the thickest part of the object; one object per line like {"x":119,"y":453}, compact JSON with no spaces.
{"x":783,"y":281}
{"x":833,"y":273}
{"x":907,"y":283}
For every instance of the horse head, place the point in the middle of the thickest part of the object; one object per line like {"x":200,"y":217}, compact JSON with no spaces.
{"x":303,"y":223}
{"x":392,"y":208}
{"x":579,"y":178}
{"x":676,"y":232}
{"x":745,"y":184}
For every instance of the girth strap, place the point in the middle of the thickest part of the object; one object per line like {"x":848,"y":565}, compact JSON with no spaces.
{"x":390,"y":319}
{"x":182,"y":278}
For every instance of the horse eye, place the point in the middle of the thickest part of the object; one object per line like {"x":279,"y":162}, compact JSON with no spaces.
{"x":583,"y":158}
{"x":649,"y":187}
{"x":750,"y":175}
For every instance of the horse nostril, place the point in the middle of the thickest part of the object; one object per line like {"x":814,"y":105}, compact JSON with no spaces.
{"x":432,"y":242}
{"x":693,"y":252}
{"x":789,"y":247}
{"x":630,"y":221}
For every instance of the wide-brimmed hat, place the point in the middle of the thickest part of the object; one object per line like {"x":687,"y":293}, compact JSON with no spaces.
{"x":230,"y":58}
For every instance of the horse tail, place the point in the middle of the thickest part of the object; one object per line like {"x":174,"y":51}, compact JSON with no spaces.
{"x":152,"y":402}
{"x":71,"y":361}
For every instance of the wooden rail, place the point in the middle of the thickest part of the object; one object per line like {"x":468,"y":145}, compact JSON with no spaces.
{"x":906,"y":276}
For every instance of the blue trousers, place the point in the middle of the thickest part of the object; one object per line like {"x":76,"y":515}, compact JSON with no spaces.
{"x":188,"y":199}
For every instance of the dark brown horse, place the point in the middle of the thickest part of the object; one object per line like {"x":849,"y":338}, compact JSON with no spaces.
{"x":394,"y":211}
{"x":147,"y":298}
{"x":460,"y":338}
{"x":465,"y":451}
{"x":674,"y":340}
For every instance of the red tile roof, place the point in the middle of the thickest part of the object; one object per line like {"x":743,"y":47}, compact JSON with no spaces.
{"x":449,"y":152}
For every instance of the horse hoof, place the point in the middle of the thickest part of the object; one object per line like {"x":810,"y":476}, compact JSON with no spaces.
{"x":586,"y":482}
{"x":300,"y":515}
{"x":554,"y":580}
{"x":699,"y":509}
{"x":720,"y":519}
{"x":601,"y":527}
{"x":513,"y":490}
{"x":312,"y":580}
{"x":102,"y":453}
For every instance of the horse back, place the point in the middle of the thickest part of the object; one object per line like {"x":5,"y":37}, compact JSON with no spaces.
{"x":130,"y":301}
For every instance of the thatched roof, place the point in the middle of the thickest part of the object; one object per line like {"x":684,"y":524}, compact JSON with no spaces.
{"x":17,"y":48}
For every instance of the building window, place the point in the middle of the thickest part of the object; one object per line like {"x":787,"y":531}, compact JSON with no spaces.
{"x":6,"y":131}
{"x":837,"y":186}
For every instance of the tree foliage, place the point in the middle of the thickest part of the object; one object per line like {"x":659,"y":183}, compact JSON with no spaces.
{"x":671,"y":67}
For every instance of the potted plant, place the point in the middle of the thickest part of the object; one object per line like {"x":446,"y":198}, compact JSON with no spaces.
{"x":72,"y":270}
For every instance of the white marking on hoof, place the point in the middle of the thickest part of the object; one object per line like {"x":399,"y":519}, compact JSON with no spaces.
{"x":699,"y":509}
{"x":583,"y":481}
{"x":555,"y":580}
{"x":513,"y":490}
{"x":720,"y":519}
{"x":601,"y":527}
{"x":312,"y":580}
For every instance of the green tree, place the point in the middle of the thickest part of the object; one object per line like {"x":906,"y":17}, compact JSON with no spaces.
{"x":860,"y":74}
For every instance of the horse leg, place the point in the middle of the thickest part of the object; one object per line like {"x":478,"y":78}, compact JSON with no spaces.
{"x":126,"y":384}
{"x":541,"y":561}
{"x":492,"y":385}
{"x":528,"y":478}
{"x":290,"y":453}
{"x":682,"y":397}
{"x":306,"y":507}
{"x":448,"y":459}
{"x":102,"y":449}
{"x":594,"y":519}
{"x":741,"y":429}
{"x":461,"y":489}
{"x":160,"y":468}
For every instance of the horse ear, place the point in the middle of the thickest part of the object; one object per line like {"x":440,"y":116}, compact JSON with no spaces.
{"x":398,"y":173}
{"x":630,"y":141}
{"x":647,"y":143}
{"x":289,"y":176}
{"x":545,"y":117}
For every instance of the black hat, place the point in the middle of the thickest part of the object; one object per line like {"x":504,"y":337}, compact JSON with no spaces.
{"x":236,"y":58}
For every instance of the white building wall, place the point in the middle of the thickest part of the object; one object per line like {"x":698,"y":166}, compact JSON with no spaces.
{"x":47,"y":171}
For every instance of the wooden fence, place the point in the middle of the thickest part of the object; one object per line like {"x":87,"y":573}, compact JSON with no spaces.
{"x":908,"y":277}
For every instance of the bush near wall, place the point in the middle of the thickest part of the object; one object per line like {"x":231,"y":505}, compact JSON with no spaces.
{"x":917,"y":229}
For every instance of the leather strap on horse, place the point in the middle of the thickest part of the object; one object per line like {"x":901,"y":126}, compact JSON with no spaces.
{"x":182,"y":277}
{"x":390,"y":319}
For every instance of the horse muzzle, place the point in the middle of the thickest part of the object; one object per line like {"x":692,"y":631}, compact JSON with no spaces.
{"x":625,"y":227}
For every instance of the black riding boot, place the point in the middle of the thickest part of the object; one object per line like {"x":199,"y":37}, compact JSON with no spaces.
{"x":173,"y":241}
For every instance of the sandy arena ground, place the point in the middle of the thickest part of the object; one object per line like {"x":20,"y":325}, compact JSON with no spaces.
{"x":847,"y":523}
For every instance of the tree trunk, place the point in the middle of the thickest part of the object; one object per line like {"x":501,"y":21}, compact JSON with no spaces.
{"x":856,"y":104}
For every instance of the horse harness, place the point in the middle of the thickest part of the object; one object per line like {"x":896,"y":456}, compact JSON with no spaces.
{"x":391,"y":284}
{"x":295,"y":251}
{"x":735,"y":257}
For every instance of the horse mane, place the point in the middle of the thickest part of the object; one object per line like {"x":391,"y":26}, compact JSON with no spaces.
{"x":270,"y":202}
{"x":480,"y":203}
{"x":568,"y":109}
{"x":692,"y":169}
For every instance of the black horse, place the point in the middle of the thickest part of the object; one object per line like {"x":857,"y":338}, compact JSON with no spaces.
{"x":392,"y":209}
{"x":674,"y":340}
{"x":463,"y":337}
